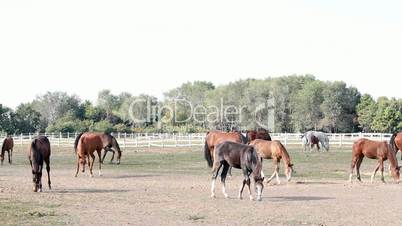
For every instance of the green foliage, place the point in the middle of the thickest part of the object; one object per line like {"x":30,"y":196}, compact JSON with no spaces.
{"x":102,"y":126}
{"x":26,"y":119}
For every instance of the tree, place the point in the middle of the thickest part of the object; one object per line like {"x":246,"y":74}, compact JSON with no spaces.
{"x":26,"y":119}
{"x":366,"y":111}
{"x":6,"y":120}
{"x":107,"y":101}
{"x":54,"y":105}
{"x":388,"y":115}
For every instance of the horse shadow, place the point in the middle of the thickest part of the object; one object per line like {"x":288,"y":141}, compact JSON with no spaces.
{"x":90,"y":190}
{"x":127,"y":176}
{"x":298,"y":198}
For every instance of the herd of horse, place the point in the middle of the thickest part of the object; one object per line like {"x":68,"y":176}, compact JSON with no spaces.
{"x":222,"y":150}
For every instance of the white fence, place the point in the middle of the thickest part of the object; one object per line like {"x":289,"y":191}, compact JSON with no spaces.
{"x":141,"y":140}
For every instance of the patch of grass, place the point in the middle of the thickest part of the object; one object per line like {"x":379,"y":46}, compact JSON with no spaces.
{"x":195,"y":217}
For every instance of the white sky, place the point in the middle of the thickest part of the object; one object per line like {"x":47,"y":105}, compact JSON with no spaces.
{"x":152,"y":46}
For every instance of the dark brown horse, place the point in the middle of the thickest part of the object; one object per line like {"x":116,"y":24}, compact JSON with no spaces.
{"x":85,"y":146}
{"x":374,"y":150}
{"x":315,"y":141}
{"x":39,"y":152}
{"x":239,"y":156}
{"x":261,"y":134}
{"x":8,"y":145}
{"x":276,"y":151}
{"x":396,"y":142}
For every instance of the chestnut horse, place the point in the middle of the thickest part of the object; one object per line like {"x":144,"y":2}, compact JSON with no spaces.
{"x":396,"y":142}
{"x":8,"y":145}
{"x":39,"y":152}
{"x":276,"y":151}
{"x":259,"y":134}
{"x":85,"y":146}
{"x":214,"y":138}
{"x":315,"y":141}
{"x":240,"y":156}
{"x":374,"y":150}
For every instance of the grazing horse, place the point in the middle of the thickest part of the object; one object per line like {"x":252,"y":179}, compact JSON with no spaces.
{"x":85,"y":146}
{"x":239,"y":156}
{"x":39,"y":152}
{"x":396,"y":142}
{"x":109,"y":144}
{"x":259,"y":134}
{"x":374,"y":150}
{"x":8,"y":145}
{"x":276,"y":151}
{"x":315,"y":142}
{"x":308,"y":137}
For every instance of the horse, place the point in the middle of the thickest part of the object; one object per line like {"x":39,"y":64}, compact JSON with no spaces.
{"x":262,"y":134}
{"x":110,"y":144}
{"x":322,"y":137}
{"x":8,"y":145}
{"x":315,"y":142}
{"x":396,"y":142}
{"x":39,"y":152}
{"x":240,"y":156}
{"x":380,"y":150}
{"x":214,"y":138}
{"x":276,"y":151}
{"x":86,"y":144}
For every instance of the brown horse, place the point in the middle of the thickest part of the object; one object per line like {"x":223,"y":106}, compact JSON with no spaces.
{"x":374,"y":150}
{"x":85,"y":146}
{"x":241,"y":156}
{"x":261,"y":134}
{"x":214,"y":138}
{"x":8,"y":145}
{"x":39,"y":152}
{"x":315,"y":141}
{"x":276,"y":151}
{"x":396,"y":142}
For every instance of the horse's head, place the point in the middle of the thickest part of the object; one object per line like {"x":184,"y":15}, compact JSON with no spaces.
{"x":395,"y":173}
{"x":325,"y":143}
{"x":36,"y":179}
{"x":115,"y":145}
{"x":259,"y":186}
{"x":289,"y":171}
{"x":82,"y":162}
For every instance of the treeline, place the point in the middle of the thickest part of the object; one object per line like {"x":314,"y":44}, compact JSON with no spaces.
{"x":297,"y":103}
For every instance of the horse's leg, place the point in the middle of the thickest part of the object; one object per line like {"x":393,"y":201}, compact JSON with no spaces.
{"x":352,"y":167}
{"x":358,"y":164}
{"x":9,"y":156}
{"x":40,"y":177}
{"x":111,"y":160}
{"x":382,"y":170}
{"x":225,"y":170}
{"x":100,"y":162}
{"x":215,"y":170}
{"x":262,"y":173}
{"x":104,"y":155}
{"x":277,"y":162}
{"x":47,"y":161}
{"x":230,"y":172}
{"x":248,"y":182}
{"x":274,"y":173}
{"x":375,"y":171}
{"x":245,"y":174}
{"x":91,"y":164}
{"x":78,"y":166}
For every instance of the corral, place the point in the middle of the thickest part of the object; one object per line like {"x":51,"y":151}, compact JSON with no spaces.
{"x":170,"y":186}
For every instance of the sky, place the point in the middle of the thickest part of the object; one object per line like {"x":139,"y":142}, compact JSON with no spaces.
{"x":82,"y":47}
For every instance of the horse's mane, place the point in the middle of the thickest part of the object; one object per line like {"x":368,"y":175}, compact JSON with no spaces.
{"x":392,"y":142}
{"x":77,"y":139}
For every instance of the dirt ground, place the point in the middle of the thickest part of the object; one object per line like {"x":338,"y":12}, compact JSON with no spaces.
{"x":173,"y":188}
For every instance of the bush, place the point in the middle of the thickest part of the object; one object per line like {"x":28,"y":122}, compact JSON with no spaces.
{"x":102,"y":126}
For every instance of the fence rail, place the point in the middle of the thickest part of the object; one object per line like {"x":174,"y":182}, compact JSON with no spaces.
{"x":141,"y":140}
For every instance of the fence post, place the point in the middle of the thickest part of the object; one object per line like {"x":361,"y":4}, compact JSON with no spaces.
{"x":189,"y":139}
{"x":21,"y":138}
{"x":59,"y":139}
{"x":286,"y":139}
{"x":175,"y":140}
{"x":136,"y":141}
{"x":124,"y":141}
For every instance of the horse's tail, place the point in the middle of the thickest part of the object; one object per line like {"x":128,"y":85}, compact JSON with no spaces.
{"x":394,"y":148}
{"x":77,"y":139}
{"x":36,"y":156}
{"x":207,"y":154}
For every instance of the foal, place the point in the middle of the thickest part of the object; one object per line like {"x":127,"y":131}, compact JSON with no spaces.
{"x":239,"y":156}
{"x":276,"y":151}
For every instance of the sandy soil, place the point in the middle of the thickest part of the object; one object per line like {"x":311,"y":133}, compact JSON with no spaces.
{"x":135,"y":198}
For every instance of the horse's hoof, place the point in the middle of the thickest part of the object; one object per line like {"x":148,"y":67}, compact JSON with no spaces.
{"x":259,"y":199}
{"x":226,"y":196}
{"x":240,"y":197}
{"x":251,"y":198}
{"x":213,"y":196}
{"x":40,"y":189}
{"x":91,"y":175}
